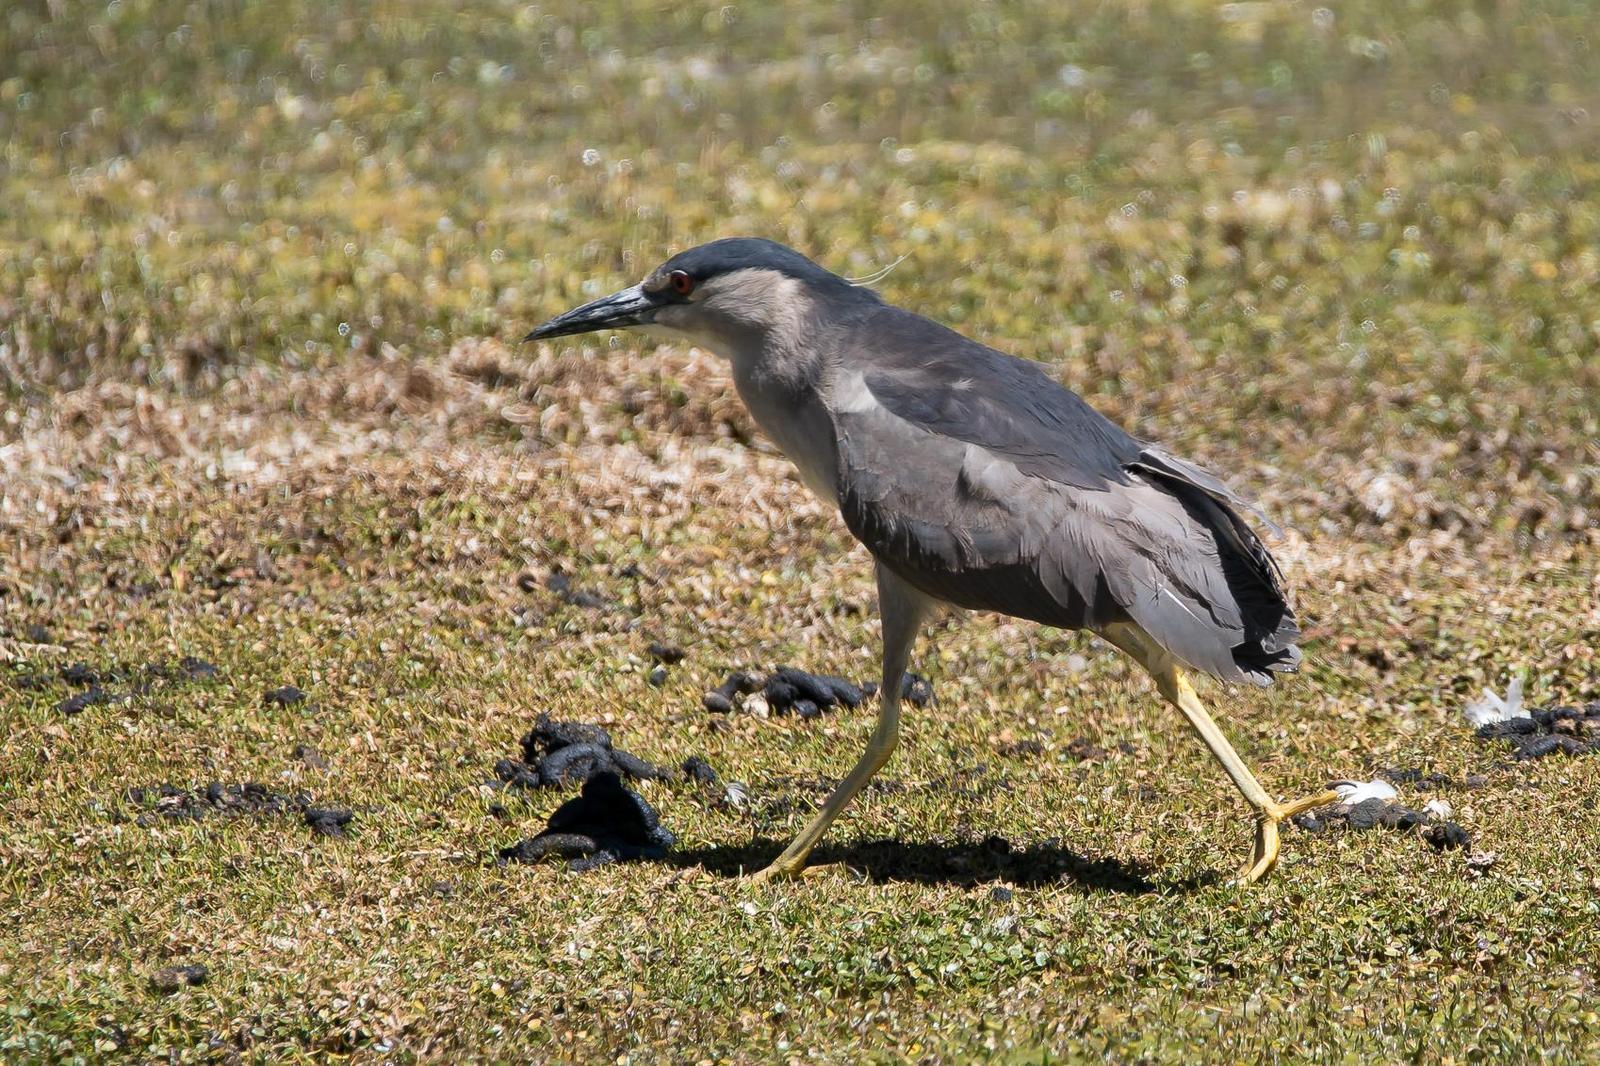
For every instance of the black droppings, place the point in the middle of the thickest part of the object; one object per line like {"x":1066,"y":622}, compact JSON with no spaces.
{"x":1366,"y":814}
{"x":1001,"y":894}
{"x":1550,"y":744}
{"x":328,"y":821}
{"x":1085,"y":750}
{"x":171,"y":979}
{"x":779,"y":693}
{"x":1021,"y":749}
{"x":1544,"y":731}
{"x":636,"y":768}
{"x":548,"y":736}
{"x":555,"y":754}
{"x":1446,"y":835}
{"x":248,"y":799}
{"x":667,"y":654}
{"x":574,"y":764}
{"x":820,"y":689}
{"x":196,"y":669}
{"x":916,"y":690}
{"x":310,"y":756}
{"x":84,"y":700}
{"x":720,"y":699}
{"x":1417,"y":778}
{"x":287,"y":696}
{"x":607,"y":822}
{"x":1375,"y":813}
{"x":517,"y":774}
{"x":788,"y":690}
{"x":699,"y":771}
{"x":81,"y":675}
{"x":562,"y":586}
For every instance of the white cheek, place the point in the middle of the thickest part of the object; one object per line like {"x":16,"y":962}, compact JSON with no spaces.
{"x":673,"y":323}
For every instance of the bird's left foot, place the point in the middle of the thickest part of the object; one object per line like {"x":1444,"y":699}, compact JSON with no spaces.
{"x":1265,"y":856}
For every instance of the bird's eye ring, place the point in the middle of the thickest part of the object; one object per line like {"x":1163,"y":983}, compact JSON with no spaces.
{"x":681,"y":283}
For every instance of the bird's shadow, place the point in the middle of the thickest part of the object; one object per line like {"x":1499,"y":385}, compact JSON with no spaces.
{"x":962,"y":863}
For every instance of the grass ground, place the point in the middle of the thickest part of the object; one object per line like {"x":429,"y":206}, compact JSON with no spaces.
{"x":260,"y":271}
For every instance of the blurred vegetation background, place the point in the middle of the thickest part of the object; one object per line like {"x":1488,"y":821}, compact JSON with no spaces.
{"x":1339,"y":210}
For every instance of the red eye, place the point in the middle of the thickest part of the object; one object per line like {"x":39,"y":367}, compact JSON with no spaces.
{"x":681,"y":283}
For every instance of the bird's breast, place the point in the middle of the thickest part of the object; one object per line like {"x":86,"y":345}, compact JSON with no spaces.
{"x":794,"y":419}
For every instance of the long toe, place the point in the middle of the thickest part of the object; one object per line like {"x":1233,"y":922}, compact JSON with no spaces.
{"x":778,"y":871}
{"x":1265,"y":856}
{"x":1300,"y":806}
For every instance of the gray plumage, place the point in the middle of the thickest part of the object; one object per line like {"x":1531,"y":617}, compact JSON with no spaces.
{"x":970,"y":474}
{"x":981,"y":481}
{"x":977,"y":480}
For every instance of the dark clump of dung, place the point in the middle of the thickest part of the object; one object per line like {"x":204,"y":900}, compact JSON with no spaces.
{"x":310,"y":756}
{"x":1417,"y":778}
{"x":80,"y":674}
{"x":286,"y":696}
{"x":139,"y":680}
{"x":914,"y":689}
{"x":1549,"y":731}
{"x":170,"y":801}
{"x":1375,"y":813}
{"x":172,"y":979}
{"x":788,"y":690}
{"x":606,"y":823}
{"x":328,"y":821}
{"x":666,"y":654}
{"x":555,"y":754}
{"x":196,"y":669}
{"x":30,"y":682}
{"x":696,"y":769}
{"x":1020,"y":749}
{"x":562,"y":586}
{"x":720,"y":699}
{"x":94,"y":697}
{"x":248,"y":799}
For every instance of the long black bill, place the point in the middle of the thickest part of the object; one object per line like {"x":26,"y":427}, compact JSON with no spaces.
{"x":625,"y":308}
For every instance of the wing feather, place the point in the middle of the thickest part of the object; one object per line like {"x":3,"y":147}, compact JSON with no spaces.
{"x":981,"y":481}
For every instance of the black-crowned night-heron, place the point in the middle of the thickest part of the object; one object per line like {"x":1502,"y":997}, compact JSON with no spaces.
{"x":976,"y":481}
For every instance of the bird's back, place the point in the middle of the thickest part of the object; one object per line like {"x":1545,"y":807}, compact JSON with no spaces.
{"x":982,"y":481}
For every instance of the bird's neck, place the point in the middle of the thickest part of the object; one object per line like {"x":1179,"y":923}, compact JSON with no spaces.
{"x":783,"y":390}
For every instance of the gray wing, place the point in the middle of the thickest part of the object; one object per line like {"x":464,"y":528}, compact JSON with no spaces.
{"x":981,"y":481}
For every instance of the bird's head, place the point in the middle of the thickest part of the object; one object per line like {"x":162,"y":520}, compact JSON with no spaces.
{"x":732,"y":295}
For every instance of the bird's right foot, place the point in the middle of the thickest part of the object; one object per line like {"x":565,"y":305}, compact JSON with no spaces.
{"x":1265,"y":856}
{"x":781,"y":871}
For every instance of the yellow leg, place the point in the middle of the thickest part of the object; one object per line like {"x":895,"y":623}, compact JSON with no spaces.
{"x":1175,"y":687}
{"x":884,"y":737}
{"x":903,"y":610}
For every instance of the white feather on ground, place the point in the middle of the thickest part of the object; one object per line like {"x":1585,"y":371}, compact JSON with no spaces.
{"x":1491,"y":708}
{"x":1354,"y":792}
